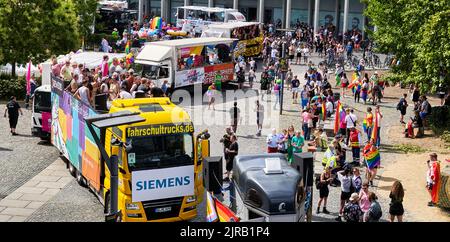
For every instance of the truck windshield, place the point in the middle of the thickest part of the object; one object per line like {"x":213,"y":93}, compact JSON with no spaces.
{"x":42,"y":102}
{"x":155,"y":72}
{"x":160,"y":151}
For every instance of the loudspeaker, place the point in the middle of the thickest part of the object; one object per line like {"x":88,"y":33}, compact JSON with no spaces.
{"x":212,"y":174}
{"x":100,"y":102}
{"x":304,"y":163}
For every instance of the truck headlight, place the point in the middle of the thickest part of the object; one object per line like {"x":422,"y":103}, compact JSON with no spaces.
{"x":191,"y":199}
{"x":132,"y":206}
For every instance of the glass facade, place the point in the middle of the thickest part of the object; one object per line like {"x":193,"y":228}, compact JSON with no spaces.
{"x":273,"y":10}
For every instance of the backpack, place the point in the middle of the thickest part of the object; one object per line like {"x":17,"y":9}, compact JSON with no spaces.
{"x":317,"y":181}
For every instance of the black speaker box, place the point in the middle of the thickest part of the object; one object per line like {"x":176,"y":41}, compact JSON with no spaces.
{"x":304,"y":163}
{"x":212,"y":174}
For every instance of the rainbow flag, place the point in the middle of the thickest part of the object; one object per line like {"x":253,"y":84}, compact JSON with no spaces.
{"x":127,"y":47}
{"x":28,"y":78}
{"x":324,"y":112}
{"x":224,"y":213}
{"x":339,"y":116}
{"x":211,"y":214}
{"x":375,"y":128}
{"x":364,"y":125}
{"x":372,"y":158}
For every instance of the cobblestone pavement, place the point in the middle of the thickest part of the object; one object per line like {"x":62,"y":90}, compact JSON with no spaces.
{"x":21,"y":157}
{"x":75,"y":203}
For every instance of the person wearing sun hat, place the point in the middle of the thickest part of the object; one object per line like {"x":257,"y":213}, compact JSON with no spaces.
{"x":352,"y":210}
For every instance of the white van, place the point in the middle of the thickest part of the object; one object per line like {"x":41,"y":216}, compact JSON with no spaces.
{"x":187,"y":62}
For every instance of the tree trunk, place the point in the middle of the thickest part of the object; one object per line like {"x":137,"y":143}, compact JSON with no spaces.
{"x":13,"y":69}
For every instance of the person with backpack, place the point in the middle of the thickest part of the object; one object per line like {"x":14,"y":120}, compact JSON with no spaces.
{"x":322,"y":185}
{"x":374,"y":213}
{"x":346,"y":183}
{"x":401,"y":106}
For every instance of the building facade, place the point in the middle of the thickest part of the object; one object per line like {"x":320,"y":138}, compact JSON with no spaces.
{"x":316,"y":13}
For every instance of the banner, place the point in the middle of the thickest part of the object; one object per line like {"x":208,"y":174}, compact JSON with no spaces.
{"x":189,"y":77}
{"x":162,"y":183}
{"x":226,"y":71}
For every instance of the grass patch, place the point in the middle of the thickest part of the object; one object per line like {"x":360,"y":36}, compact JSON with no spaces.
{"x":408,"y":148}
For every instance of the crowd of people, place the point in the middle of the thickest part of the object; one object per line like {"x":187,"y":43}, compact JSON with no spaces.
{"x":110,"y":81}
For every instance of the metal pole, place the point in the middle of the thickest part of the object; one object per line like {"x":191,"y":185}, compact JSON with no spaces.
{"x":316,"y":16}
{"x":114,"y":184}
{"x":344,"y":26}
{"x":283,"y":55}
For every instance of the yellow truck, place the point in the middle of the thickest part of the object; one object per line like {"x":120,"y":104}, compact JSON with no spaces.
{"x":159,"y":163}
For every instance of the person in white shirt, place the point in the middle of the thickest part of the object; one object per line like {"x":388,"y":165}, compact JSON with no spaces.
{"x":329,"y":108}
{"x":273,"y":54}
{"x":83,"y":93}
{"x":350,"y":121}
{"x":272,"y":142}
{"x":346,"y":182}
{"x":123,"y":94}
{"x":305,"y":54}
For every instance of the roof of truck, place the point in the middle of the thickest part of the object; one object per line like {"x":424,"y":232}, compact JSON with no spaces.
{"x":154,"y":110}
{"x":192,"y":42}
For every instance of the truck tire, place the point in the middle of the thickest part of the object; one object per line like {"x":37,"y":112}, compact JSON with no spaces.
{"x":72,"y":170}
{"x":80,"y":179}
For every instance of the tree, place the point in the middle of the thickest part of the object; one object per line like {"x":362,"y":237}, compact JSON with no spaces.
{"x":36,"y":30}
{"x":401,"y":28}
{"x":86,"y":12}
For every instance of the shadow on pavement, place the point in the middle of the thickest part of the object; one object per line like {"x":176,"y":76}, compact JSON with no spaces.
{"x":44,"y":143}
{"x":5,"y":149}
{"x":25,"y":135}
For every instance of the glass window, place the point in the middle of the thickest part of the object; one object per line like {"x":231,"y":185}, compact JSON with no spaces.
{"x":161,"y":151}
{"x":42,"y":102}
{"x":155,"y":72}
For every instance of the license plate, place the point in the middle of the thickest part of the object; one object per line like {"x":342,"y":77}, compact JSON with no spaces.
{"x":163,"y":210}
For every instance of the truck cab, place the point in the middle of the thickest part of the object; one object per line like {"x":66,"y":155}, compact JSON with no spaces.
{"x":41,"y":112}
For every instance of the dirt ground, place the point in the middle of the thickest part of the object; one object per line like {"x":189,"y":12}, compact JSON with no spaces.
{"x":410,"y":170}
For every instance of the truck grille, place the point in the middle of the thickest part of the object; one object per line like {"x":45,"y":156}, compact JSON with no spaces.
{"x":151,"y":206}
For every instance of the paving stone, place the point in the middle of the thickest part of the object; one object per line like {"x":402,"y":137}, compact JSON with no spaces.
{"x":51,"y":184}
{"x":18,"y":219}
{"x":51,"y":191}
{"x":36,"y":197}
{"x":14,"y":195}
{"x":32,"y":182}
{"x":31,"y":190}
{"x":10,"y":203}
{"x":35,"y":205}
{"x":46,"y":178}
{"x":4,"y":218}
{"x":61,"y":173}
{"x":18,"y":211}
{"x":65,"y":179}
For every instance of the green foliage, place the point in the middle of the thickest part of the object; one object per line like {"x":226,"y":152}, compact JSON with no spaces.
{"x":446,"y":138}
{"x":439,"y":119}
{"x":36,"y":30}
{"x":12,"y":87}
{"x":417,"y":33}
{"x":408,"y":148}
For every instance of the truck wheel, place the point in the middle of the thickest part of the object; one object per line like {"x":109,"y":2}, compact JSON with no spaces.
{"x":80,"y":179}
{"x":72,"y":170}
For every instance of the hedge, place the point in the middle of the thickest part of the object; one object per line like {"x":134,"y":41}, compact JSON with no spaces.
{"x":439,"y":119}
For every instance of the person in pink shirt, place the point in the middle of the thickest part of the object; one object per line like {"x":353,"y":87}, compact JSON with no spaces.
{"x":307,"y":123}
{"x":364,"y":202}
{"x":105,"y":66}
